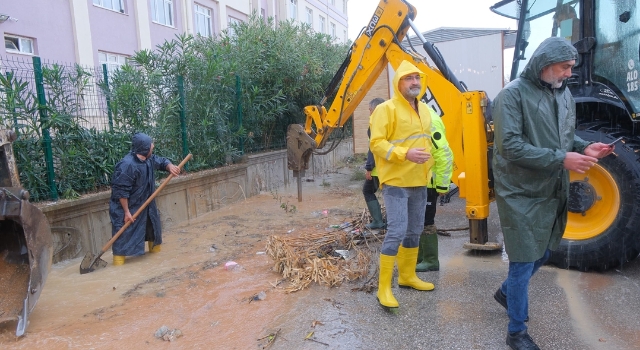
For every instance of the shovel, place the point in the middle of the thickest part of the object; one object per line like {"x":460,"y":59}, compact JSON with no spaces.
{"x":92,"y":262}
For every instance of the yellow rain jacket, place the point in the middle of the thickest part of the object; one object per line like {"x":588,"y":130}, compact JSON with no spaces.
{"x":396,"y":128}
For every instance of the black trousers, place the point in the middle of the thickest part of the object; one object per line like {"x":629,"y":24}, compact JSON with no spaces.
{"x":370,"y":188}
{"x":430,"y":209}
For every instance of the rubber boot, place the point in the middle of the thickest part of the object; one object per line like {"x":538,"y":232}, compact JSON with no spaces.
{"x":118,"y":260}
{"x":428,"y":252}
{"x":154,"y":248}
{"x":385,"y":296}
{"x":376,"y":215}
{"x":407,"y":277}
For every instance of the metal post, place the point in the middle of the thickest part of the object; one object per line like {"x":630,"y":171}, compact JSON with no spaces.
{"x":183,"y":118}
{"x":239,"y":109}
{"x":12,"y":102}
{"x":44,"y":121}
{"x":105,"y":74}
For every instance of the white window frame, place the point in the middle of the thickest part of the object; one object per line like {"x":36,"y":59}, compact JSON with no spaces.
{"x":333,"y":29}
{"x":113,"y":60}
{"x":203,"y":21}
{"x":164,"y":7}
{"x":116,"y":5}
{"x":21,"y":46}
{"x":293,"y":9}
{"x":231,"y":20}
{"x":322,"y":24}
{"x":309,"y":16}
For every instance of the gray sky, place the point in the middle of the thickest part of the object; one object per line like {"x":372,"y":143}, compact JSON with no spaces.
{"x":434,"y":14}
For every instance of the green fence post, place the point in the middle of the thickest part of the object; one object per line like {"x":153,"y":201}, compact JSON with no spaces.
{"x":44,"y":121}
{"x":183,"y":119}
{"x":12,"y":103}
{"x":239,"y":109}
{"x":105,"y":74}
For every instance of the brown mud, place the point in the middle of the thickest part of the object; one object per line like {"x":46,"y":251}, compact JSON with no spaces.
{"x":186,"y":286}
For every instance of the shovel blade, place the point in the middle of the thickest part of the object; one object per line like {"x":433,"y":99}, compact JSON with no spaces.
{"x":91,"y":263}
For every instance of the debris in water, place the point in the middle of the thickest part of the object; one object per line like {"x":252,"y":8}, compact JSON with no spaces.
{"x":167,"y":334}
{"x":230,"y":265}
{"x":260,"y":296}
{"x":270,"y":338}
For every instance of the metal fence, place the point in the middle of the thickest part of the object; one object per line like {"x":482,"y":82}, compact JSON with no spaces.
{"x":74,"y":123}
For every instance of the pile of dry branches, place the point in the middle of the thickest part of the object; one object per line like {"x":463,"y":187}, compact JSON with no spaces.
{"x":316,"y":257}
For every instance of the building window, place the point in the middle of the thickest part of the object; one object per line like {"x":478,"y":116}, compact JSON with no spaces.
{"x":162,"y":11}
{"x":293,"y":9}
{"x":112,"y":60}
{"x":232,"y":20}
{"x":18,"y":44}
{"x":310,"y":17}
{"x":333,"y":30}
{"x":203,"y":20}
{"x":115,"y":5}
{"x":344,"y":34}
{"x":344,"y":6}
{"x":333,"y":2}
{"x":321,"y":25}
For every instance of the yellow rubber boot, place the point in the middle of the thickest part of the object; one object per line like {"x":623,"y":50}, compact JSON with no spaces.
{"x":154,"y":248}
{"x":407,"y":277}
{"x":385,"y":296}
{"x":118,"y":260}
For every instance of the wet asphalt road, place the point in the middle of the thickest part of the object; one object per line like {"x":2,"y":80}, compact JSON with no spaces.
{"x":568,"y":309}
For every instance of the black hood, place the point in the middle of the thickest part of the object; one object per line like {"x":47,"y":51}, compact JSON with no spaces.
{"x":141,"y":144}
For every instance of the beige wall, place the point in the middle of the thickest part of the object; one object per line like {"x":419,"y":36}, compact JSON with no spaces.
{"x":361,"y":116}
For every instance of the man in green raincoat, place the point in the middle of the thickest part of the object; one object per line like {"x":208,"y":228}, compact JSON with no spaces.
{"x":535,"y":147}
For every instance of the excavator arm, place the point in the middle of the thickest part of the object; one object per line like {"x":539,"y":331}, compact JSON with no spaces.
{"x":462,"y":111}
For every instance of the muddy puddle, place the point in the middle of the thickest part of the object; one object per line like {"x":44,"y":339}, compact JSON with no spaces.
{"x":187,"y":286}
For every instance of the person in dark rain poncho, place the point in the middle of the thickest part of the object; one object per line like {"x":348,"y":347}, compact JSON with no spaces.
{"x":535,"y":147}
{"x":132,"y":184}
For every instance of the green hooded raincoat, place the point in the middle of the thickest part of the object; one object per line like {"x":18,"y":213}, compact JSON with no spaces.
{"x":534,"y":129}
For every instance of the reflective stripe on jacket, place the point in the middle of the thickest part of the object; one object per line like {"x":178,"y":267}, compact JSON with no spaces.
{"x":396,"y":128}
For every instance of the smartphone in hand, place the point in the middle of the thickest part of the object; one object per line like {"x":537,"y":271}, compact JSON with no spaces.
{"x":615,"y":141}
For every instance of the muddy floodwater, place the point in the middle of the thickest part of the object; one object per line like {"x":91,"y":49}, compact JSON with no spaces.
{"x":187,"y":287}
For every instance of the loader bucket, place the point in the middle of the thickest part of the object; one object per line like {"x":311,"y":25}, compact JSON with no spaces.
{"x":26,"y":251}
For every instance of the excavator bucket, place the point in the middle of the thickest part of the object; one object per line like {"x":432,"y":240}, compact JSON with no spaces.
{"x":26,"y":245}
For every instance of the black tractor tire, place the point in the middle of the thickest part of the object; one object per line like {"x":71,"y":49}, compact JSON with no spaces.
{"x":620,"y":241}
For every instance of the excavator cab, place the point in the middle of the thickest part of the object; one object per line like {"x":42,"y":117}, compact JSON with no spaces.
{"x":604,"y":212}
{"x":26,"y":247}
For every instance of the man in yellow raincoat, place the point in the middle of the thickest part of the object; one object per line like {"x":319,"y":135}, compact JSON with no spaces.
{"x":401,"y":145}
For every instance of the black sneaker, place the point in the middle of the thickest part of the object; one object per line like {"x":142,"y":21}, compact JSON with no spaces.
{"x":502,"y":300}
{"x":521,"y":341}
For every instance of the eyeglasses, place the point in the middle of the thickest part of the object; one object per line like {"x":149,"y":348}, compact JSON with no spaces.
{"x":411,"y":77}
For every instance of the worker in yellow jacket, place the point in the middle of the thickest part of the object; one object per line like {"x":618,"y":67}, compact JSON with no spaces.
{"x":438,"y":185}
{"x":401,"y":145}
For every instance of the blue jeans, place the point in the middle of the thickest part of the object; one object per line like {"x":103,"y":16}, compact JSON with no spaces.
{"x":516,"y":288}
{"x":405,"y":217}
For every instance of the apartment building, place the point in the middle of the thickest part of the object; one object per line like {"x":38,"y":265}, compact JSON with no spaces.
{"x":324,"y":16}
{"x":92,"y":32}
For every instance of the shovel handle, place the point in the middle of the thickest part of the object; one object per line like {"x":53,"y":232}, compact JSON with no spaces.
{"x":144,"y":205}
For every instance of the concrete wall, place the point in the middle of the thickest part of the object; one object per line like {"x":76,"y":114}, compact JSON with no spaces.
{"x":83,"y":225}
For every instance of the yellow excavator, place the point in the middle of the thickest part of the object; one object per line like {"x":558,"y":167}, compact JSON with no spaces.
{"x":463,"y":112}
{"x":604,"y":206}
